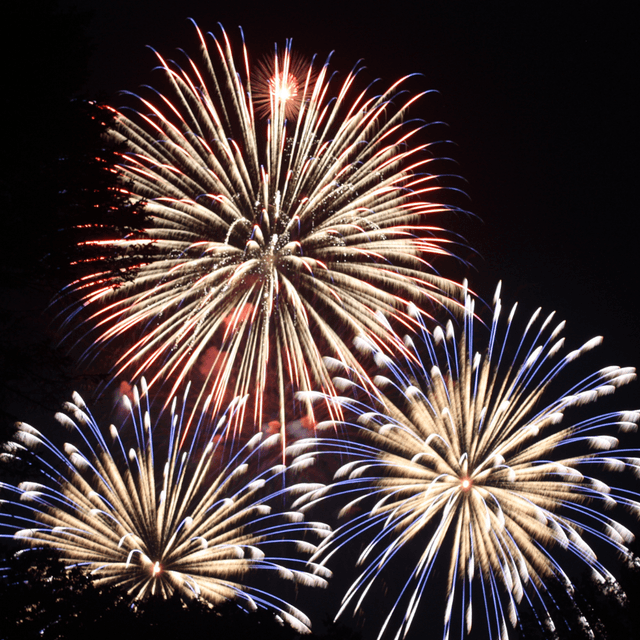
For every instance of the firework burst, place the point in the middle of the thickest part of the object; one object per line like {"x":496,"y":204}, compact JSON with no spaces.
{"x":467,"y":465}
{"x":280,"y":79}
{"x":269,"y":242}
{"x":186,"y":522}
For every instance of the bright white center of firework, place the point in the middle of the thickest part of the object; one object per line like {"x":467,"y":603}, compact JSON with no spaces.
{"x":283,"y":89}
{"x":465,"y":483}
{"x":157,"y":569}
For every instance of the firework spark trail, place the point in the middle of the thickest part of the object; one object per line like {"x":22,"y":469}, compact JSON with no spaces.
{"x":461,"y":456}
{"x":181,"y":522}
{"x":267,"y":242}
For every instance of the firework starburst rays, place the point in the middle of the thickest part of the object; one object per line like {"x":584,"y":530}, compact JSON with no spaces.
{"x":468,"y":465}
{"x":265,"y":249}
{"x":157,"y":523}
{"x":279,"y":84}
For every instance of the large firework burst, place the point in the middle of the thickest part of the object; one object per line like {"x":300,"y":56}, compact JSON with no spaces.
{"x":190,"y":521}
{"x":469,"y":466}
{"x":269,"y":242}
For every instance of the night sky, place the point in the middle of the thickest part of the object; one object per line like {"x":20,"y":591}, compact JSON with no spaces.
{"x":539,"y":107}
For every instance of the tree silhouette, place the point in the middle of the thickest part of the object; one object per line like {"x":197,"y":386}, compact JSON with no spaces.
{"x":43,"y":600}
